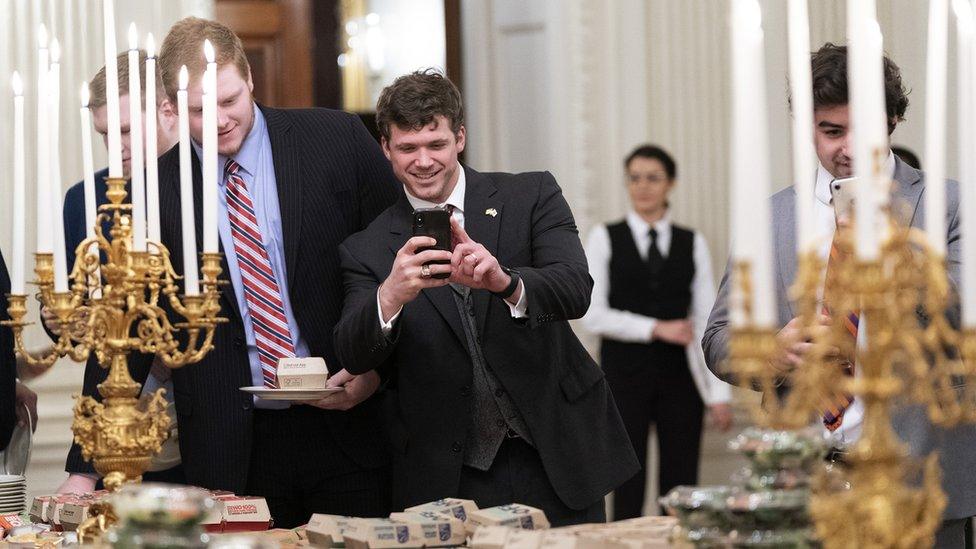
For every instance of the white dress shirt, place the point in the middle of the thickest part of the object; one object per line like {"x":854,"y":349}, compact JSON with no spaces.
{"x":632,"y":327}
{"x":457,"y":200}
{"x":850,"y":428}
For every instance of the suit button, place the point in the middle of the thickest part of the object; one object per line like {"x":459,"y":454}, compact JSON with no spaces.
{"x":247,"y":405}
{"x":499,"y":392}
{"x":500,"y":422}
{"x":465,"y":391}
{"x":456,"y":448}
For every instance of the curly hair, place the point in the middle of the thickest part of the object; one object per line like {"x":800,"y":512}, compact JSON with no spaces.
{"x":829,"y":67}
{"x":413,"y":100}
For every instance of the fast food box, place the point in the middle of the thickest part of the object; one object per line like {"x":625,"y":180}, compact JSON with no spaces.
{"x":560,"y":540}
{"x":459,"y":508}
{"x":244,"y":513}
{"x":513,"y":515}
{"x":38,"y":508}
{"x":490,"y":537}
{"x":327,"y":530}
{"x":439,"y":529}
{"x":73,"y":514}
{"x":377,"y":533}
{"x":302,"y":373}
{"x":55,"y":507}
{"x":525,"y":539}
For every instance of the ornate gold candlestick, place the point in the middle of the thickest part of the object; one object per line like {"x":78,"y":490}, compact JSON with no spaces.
{"x":113,"y":309}
{"x":908,"y":352}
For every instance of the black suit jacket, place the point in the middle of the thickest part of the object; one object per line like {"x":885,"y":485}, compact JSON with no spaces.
{"x":8,"y":363}
{"x":332,"y":180}
{"x":558,"y":388}
{"x":75,"y":224}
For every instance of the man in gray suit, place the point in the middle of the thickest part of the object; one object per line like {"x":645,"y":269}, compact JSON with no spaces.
{"x":956,"y":447}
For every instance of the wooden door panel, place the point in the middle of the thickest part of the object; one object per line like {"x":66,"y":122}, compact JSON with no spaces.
{"x":277,"y":38}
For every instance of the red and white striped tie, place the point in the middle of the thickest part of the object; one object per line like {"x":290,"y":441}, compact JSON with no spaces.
{"x":261,"y":291}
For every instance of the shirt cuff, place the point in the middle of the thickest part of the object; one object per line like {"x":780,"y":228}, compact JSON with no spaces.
{"x":386,"y":327}
{"x":518,"y":310}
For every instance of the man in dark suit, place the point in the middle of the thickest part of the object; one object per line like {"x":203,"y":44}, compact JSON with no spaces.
{"x":311,"y":178}
{"x":494,"y":397}
{"x":76,"y":230}
{"x":8,"y":366}
{"x":18,"y":404}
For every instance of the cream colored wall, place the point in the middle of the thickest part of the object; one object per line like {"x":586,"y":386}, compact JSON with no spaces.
{"x":78,"y":26}
{"x":573,"y":85}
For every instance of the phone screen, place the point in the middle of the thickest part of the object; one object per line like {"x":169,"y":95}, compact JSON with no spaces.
{"x":435,"y":223}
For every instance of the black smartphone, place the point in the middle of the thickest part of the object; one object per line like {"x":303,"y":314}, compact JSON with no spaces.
{"x":435,"y":223}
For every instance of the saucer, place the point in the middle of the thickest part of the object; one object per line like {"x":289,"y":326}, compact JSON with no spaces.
{"x":294,"y":395}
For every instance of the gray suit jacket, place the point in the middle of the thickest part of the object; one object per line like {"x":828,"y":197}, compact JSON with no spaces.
{"x":957,"y":447}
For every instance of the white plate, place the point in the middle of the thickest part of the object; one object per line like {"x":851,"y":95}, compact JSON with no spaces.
{"x":296,"y":395}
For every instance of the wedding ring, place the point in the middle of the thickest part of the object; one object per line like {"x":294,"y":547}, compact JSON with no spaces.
{"x":425,"y":271}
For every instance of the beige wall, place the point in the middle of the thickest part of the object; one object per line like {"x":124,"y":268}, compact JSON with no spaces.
{"x":572,"y":85}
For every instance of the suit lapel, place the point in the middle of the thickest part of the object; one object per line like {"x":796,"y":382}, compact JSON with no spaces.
{"x":482,"y":227}
{"x":442,"y":298}
{"x":287,"y":167}
{"x":907,"y":192}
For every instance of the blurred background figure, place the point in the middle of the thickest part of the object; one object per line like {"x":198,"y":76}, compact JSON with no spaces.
{"x":652,"y":291}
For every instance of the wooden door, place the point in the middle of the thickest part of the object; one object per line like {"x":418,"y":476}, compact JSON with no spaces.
{"x":278,"y":40}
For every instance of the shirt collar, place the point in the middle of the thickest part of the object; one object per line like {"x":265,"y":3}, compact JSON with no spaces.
{"x":639,"y":226}
{"x":247,"y":158}
{"x":456,"y":199}
{"x":822,"y":188}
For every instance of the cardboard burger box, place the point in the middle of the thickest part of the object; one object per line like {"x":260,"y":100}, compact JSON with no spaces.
{"x":490,"y":537}
{"x":378,"y":533}
{"x":525,"y":539}
{"x":302,"y":373}
{"x":459,"y":508}
{"x":244,"y":513}
{"x":38,"y":508}
{"x":327,"y":530}
{"x":439,"y":529}
{"x":513,"y":515}
{"x":73,"y":514}
{"x":55,"y":507}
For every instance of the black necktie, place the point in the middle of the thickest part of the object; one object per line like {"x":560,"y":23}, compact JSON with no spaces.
{"x":654,"y":259}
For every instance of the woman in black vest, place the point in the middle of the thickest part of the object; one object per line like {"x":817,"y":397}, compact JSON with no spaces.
{"x":652,"y":292}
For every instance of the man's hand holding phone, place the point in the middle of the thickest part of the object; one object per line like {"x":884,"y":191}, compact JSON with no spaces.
{"x":413,"y":271}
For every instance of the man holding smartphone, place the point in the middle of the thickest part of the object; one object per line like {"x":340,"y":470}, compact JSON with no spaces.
{"x":492,"y":396}
{"x":834,"y":144}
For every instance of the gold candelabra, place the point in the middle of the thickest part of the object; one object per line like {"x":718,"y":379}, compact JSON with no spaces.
{"x":907,"y":355}
{"x":112,"y":309}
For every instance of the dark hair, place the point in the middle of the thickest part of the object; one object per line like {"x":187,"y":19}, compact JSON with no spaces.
{"x":654,"y":153}
{"x":413,"y":100}
{"x":907,"y":156}
{"x":829,"y":66}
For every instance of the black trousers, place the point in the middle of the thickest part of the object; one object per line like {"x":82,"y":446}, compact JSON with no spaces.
{"x":300,"y":470}
{"x":663,"y":395}
{"x":517,"y":476}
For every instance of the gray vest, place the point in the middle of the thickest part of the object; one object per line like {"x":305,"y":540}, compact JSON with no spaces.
{"x":493,"y":414}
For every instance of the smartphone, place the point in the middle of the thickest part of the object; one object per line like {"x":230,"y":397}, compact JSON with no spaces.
{"x":435,"y":223}
{"x":842,"y":196}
